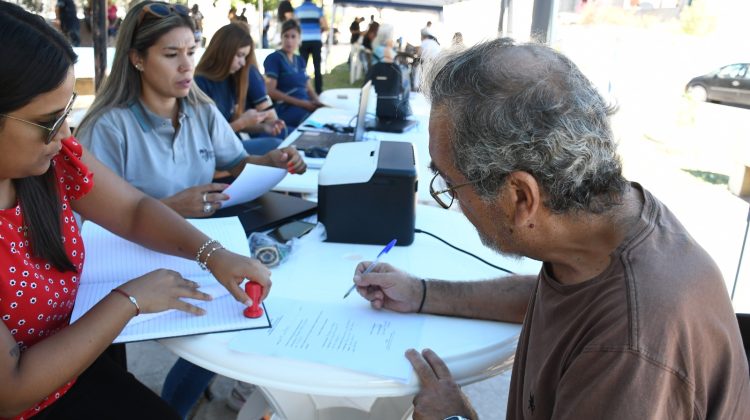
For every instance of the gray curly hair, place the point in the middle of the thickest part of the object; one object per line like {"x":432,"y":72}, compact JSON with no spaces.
{"x":525,"y":107}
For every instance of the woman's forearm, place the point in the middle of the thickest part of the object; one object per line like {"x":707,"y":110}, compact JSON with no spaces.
{"x":278,"y":96}
{"x":49,"y":364}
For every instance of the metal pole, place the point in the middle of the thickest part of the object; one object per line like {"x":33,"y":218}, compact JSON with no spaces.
{"x":259,"y":40}
{"x":542,"y":18}
{"x":329,"y":41}
{"x":742,"y":252}
{"x":99,"y":36}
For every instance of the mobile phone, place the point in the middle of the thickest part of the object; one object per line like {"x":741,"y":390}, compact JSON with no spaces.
{"x":291,"y":230}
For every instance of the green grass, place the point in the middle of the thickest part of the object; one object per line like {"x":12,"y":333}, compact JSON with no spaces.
{"x":710,"y":177}
{"x":339,"y":78}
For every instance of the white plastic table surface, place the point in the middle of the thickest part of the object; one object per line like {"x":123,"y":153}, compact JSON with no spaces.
{"x":322,"y":272}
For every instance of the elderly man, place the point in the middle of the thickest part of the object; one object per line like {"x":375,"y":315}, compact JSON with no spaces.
{"x":629,"y":317}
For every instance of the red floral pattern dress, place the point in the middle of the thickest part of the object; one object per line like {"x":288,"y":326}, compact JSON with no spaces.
{"x":36,"y":299}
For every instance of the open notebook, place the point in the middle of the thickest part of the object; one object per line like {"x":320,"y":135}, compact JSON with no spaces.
{"x":111,"y":261}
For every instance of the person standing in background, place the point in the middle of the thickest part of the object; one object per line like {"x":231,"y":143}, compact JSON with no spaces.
{"x":67,"y":15}
{"x":242,"y":17}
{"x":197,"y":16}
{"x":355,"y":30}
{"x":285,"y":11}
{"x":458,"y":40}
{"x":313,"y":24}
{"x":266,"y":26}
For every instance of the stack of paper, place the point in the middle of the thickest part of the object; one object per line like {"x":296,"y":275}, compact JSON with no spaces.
{"x":112,"y":261}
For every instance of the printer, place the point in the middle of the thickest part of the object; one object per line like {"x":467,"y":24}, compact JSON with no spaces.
{"x":367,"y":192}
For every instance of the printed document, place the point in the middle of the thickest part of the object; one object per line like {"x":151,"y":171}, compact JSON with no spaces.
{"x":254,"y":181}
{"x":112,"y":261}
{"x":352,"y":337}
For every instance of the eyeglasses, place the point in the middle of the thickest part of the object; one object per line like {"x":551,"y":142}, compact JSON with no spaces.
{"x":57,"y":124}
{"x":162,"y":10}
{"x":443,"y":192}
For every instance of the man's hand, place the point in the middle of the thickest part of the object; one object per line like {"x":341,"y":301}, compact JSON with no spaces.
{"x":389,"y":288}
{"x":440,"y":396}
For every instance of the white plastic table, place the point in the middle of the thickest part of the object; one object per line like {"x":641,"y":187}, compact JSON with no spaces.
{"x":322,"y":272}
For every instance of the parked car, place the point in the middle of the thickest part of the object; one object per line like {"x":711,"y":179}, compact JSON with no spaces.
{"x":730,"y":84}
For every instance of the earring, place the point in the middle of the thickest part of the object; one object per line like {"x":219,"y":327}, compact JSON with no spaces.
{"x":139,"y":67}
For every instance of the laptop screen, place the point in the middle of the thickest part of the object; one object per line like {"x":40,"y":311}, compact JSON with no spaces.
{"x":364,"y":96}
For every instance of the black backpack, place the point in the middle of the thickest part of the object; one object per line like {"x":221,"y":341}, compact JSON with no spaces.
{"x":391,"y":82}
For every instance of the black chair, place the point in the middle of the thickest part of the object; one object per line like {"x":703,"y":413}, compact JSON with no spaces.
{"x":744,"y":321}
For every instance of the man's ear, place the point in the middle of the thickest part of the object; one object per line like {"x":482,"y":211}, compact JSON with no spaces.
{"x":524,"y":197}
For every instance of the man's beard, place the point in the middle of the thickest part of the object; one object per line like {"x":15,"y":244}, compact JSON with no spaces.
{"x":493,"y":245}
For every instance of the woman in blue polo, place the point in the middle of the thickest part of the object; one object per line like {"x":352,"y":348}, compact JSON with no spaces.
{"x":228,"y":74}
{"x":287,"y":81}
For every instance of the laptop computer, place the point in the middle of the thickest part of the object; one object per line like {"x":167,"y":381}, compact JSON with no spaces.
{"x":268,"y":211}
{"x":389,"y":125}
{"x":317,"y":143}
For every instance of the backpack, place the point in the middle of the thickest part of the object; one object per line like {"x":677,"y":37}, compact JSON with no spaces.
{"x":391,"y":82}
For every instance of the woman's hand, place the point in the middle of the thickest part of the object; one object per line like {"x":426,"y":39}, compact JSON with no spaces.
{"x":288,"y":158}
{"x":232,"y":269}
{"x":251,"y":118}
{"x":312,"y":105}
{"x":274,"y":128}
{"x":198,"y":201}
{"x":163,"y":289}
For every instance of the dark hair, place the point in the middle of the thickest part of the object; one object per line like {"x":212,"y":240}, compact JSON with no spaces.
{"x":290,"y":25}
{"x":36,"y":60}
{"x":285,"y":6}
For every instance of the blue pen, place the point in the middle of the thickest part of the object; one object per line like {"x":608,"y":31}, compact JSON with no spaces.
{"x":372,"y":264}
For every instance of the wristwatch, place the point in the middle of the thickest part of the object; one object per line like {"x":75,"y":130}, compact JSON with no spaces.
{"x":457,"y":418}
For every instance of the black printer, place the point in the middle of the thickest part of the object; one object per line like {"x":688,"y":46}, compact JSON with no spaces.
{"x":367,"y":193}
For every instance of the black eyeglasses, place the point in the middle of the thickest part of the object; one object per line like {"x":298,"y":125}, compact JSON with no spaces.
{"x":162,"y":10}
{"x":443,"y":192}
{"x":57,"y":124}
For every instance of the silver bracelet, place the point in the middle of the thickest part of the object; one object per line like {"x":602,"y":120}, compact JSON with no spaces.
{"x":208,"y":255}
{"x":200,"y":252}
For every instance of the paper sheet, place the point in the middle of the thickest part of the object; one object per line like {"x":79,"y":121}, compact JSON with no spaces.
{"x":346,"y":336}
{"x":254,"y":181}
{"x":111,"y":261}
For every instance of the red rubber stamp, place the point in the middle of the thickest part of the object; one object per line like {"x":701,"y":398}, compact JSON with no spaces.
{"x":253,"y":290}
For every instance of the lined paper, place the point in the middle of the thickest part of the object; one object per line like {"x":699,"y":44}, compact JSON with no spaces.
{"x":112,"y":261}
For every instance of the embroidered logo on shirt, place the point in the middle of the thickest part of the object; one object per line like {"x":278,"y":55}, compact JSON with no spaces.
{"x":206,"y":154}
{"x":532,"y":406}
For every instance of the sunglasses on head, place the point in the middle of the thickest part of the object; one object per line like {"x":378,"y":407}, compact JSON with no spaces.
{"x":162,"y":10}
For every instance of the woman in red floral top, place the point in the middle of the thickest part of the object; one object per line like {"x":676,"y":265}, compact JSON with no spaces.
{"x":49,"y":368}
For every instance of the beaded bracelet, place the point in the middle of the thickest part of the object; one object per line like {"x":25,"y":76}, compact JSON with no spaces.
{"x":208,"y":255}
{"x":130,"y":298}
{"x":200,"y":252}
{"x":424,"y":294}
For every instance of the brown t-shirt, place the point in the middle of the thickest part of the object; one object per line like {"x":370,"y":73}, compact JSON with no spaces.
{"x":652,"y":337}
